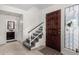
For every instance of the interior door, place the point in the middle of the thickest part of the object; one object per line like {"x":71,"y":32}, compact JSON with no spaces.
{"x":53,"y":27}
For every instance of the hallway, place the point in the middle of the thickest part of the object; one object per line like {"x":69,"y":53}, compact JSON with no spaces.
{"x":51,"y":26}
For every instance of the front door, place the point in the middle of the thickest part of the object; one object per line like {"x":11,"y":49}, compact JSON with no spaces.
{"x":53,"y":27}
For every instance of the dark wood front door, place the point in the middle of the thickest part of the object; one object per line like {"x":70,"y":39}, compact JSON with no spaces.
{"x":53,"y":27}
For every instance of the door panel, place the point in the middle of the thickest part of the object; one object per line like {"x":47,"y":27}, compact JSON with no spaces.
{"x":53,"y":21}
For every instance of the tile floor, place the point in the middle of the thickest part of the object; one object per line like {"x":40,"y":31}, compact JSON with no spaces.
{"x":16,"y":48}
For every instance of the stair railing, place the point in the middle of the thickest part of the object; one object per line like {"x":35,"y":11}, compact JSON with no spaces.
{"x":32,"y":31}
{"x":35,"y":27}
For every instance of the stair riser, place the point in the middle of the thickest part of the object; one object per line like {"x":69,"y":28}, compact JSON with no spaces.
{"x":35,"y":37}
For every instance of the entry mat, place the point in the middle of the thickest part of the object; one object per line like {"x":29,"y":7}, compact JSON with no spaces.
{"x":49,"y":51}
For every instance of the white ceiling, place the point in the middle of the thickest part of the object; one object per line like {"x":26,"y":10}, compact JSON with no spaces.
{"x":28,"y":6}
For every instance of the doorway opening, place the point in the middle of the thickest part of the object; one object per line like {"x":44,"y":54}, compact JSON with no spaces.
{"x":12,"y":26}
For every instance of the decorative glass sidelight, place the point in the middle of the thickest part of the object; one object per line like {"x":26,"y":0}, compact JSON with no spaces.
{"x":72,"y":27}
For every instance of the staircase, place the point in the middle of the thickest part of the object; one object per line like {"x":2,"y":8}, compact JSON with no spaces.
{"x":34,"y":36}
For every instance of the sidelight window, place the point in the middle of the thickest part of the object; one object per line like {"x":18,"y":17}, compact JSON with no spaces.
{"x":72,"y":28}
